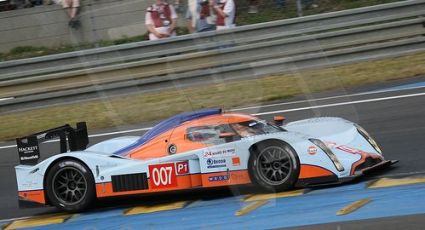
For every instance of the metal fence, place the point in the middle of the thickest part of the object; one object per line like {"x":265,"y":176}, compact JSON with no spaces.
{"x":254,"y":50}
{"x":47,"y":25}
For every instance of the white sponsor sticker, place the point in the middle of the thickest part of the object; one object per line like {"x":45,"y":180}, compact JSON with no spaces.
{"x":213,"y":153}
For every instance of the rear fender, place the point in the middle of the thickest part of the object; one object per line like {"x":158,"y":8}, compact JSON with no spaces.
{"x":32,"y":177}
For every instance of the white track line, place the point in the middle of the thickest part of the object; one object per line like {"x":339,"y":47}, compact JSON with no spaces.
{"x":264,"y":113}
{"x":326,"y":98}
{"x":341,"y":104}
{"x":6,"y":98}
{"x":14,"y":219}
{"x":7,"y":146}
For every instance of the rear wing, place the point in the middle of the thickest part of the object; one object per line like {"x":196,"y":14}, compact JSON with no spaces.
{"x":70,"y":138}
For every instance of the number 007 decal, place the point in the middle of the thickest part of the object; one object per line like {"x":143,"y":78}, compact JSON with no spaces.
{"x":163,"y":175}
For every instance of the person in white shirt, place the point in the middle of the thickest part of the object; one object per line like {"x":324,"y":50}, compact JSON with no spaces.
{"x":161,"y":20}
{"x":226,"y":12}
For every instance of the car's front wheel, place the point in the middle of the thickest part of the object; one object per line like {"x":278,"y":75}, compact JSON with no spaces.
{"x":70,"y":185}
{"x":274,"y":166}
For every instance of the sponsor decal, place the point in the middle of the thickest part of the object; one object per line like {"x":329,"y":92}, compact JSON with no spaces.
{"x":74,"y":164}
{"x":29,"y":184}
{"x":172,"y":149}
{"x":219,"y":153}
{"x":182,"y":168}
{"x":236,"y":161}
{"x":238,"y":177}
{"x":312,"y":150}
{"x":216,"y":163}
{"x":28,"y":150}
{"x":29,"y":158}
{"x":349,"y":149}
{"x":218,"y":178}
{"x":163,"y":175}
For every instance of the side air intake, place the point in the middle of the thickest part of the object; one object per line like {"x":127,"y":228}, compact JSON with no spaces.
{"x":129,"y":182}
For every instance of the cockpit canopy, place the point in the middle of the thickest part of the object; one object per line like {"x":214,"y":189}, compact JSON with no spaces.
{"x":195,"y":130}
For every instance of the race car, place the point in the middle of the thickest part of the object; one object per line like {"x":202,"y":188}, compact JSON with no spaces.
{"x":201,"y":149}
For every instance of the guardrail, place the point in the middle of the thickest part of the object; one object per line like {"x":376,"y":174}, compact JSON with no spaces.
{"x":404,"y":9}
{"x":332,"y":38}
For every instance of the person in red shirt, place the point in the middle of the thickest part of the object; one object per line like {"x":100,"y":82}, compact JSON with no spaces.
{"x":160,"y":20}
{"x":226,"y":12}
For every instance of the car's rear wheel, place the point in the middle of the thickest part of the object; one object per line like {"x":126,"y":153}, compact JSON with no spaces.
{"x":273,"y":166}
{"x":70,"y":185}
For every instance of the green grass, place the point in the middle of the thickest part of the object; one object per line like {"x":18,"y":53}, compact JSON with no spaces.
{"x":136,"y":109}
{"x":36,"y":51}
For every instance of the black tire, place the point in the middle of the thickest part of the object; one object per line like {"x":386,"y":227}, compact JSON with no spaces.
{"x":273,"y":166}
{"x":70,"y":185}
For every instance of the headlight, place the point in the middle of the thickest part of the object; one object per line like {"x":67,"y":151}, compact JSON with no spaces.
{"x":369,"y":138}
{"x":328,"y":152}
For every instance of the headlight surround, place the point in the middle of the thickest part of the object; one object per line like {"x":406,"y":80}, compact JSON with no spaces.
{"x":328,"y":152}
{"x":369,"y":138}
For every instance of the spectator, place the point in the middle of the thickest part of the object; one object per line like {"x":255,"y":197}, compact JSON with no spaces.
{"x":200,"y":16}
{"x":161,"y":20}
{"x":226,"y":12}
{"x":71,"y":7}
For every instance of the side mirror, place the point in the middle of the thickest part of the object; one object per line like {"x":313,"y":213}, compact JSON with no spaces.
{"x":228,"y":136}
{"x":278,"y":120}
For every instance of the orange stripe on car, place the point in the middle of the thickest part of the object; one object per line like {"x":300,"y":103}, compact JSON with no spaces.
{"x":309,"y":171}
{"x":196,"y":180}
{"x":183,"y":182}
{"x":158,"y":146}
{"x":35,"y":195}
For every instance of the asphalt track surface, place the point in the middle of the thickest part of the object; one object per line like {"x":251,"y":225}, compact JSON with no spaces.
{"x":410,"y":222}
{"x":395,"y":118}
